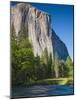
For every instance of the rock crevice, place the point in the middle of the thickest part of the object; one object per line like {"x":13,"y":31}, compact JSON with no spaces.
{"x":40,"y":32}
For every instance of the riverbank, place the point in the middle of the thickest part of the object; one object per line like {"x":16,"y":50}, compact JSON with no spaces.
{"x":50,"y":81}
{"x":57,"y":81}
{"x":45,"y":87}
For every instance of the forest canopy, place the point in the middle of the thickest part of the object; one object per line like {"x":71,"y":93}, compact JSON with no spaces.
{"x":27,"y":69}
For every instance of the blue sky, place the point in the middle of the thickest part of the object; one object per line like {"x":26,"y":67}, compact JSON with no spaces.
{"x":62,"y":22}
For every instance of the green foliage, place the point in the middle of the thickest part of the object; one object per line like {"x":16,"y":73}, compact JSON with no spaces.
{"x":22,"y":59}
{"x":27,"y":69}
{"x":44,"y":57}
{"x":56,"y":66}
{"x":69,"y":66}
{"x":46,"y":62}
{"x":62,"y":69}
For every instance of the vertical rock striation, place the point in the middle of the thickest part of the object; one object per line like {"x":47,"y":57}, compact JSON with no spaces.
{"x":38,"y":26}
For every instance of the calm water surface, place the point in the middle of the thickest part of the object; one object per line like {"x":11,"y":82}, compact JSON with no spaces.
{"x":42,"y":90}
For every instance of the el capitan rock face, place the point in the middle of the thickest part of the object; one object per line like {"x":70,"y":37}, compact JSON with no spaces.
{"x":39,"y":29}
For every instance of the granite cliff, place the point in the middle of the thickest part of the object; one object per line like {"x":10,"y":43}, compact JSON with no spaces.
{"x":40,"y":32}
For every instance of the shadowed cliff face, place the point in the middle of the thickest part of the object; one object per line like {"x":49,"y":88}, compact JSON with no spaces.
{"x":59,"y":47}
{"x":38,"y":26}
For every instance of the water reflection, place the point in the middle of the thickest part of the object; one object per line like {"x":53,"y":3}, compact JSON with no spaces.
{"x":42,"y":90}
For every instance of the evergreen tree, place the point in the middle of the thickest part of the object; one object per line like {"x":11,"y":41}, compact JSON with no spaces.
{"x":69,"y":66}
{"x":56,"y":66}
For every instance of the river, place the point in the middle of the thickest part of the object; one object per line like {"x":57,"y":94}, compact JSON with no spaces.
{"x":42,"y":90}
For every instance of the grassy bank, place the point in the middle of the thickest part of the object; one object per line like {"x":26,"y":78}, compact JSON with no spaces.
{"x":51,"y":81}
{"x":59,"y":81}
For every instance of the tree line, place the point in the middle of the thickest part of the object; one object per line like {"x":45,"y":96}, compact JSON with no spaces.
{"x":26,"y":68}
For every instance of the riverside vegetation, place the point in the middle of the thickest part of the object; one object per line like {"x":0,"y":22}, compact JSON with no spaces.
{"x":29,"y":70}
